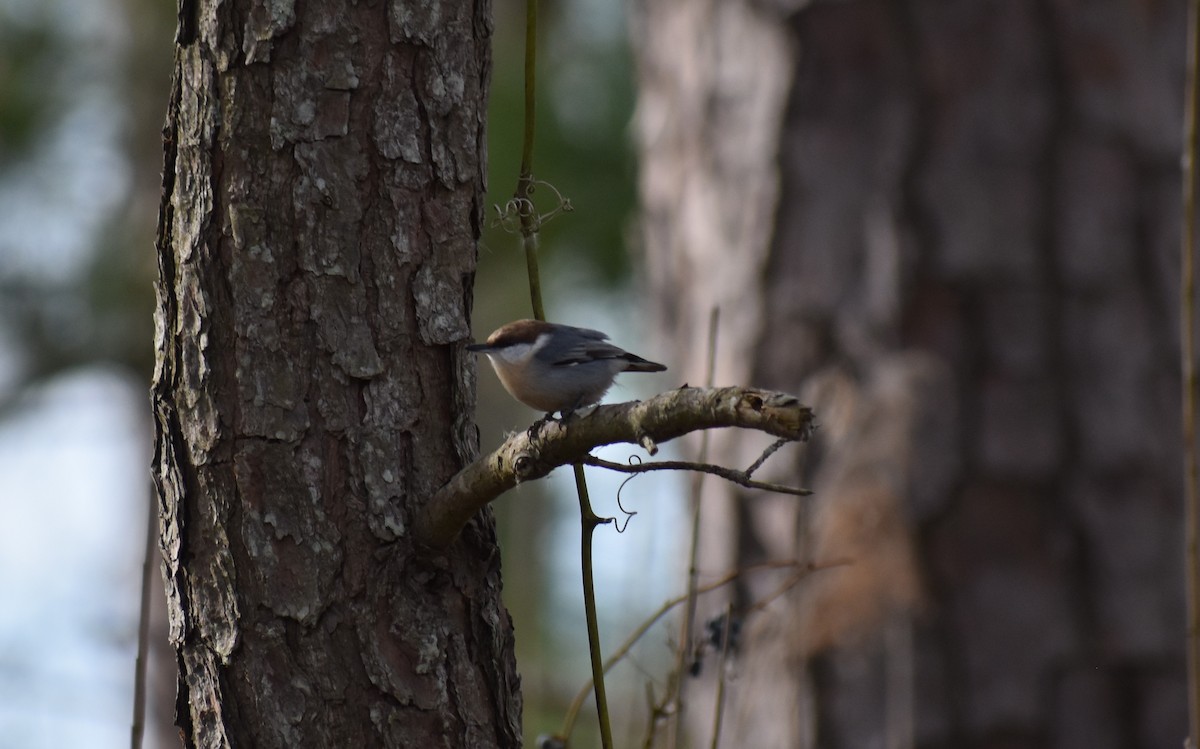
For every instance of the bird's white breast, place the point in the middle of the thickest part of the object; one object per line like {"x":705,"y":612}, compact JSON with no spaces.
{"x":517,"y":353}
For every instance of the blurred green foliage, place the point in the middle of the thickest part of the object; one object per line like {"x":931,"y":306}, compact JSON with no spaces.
{"x":29,"y":50}
{"x":52,"y":62}
{"x":101,"y":313}
{"x":584,"y":99}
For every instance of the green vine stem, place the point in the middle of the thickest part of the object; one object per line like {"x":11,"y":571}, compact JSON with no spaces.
{"x":590,"y":520}
{"x":530,"y":224}
{"x":525,"y":182}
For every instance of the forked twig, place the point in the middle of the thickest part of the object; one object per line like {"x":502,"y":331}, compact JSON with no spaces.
{"x":740,"y":478}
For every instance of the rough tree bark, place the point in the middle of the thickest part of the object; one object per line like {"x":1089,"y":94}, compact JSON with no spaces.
{"x":323,"y":179}
{"x":951,"y":228}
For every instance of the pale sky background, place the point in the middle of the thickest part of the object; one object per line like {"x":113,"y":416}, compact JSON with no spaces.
{"x":73,"y":489}
{"x":73,"y":452}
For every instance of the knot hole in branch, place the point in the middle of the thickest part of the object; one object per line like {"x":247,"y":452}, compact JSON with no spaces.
{"x":525,"y":467}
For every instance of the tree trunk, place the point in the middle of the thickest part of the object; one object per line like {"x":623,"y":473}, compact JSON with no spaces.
{"x":951,"y":227}
{"x":323,"y":183}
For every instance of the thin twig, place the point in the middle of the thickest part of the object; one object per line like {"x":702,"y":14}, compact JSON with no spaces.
{"x":675,"y":692}
{"x":719,"y":710}
{"x":786,"y":585}
{"x":765,"y":454}
{"x":139,"y":666}
{"x":802,"y":571}
{"x":1187,"y":303}
{"x":655,"y":712}
{"x":729,"y":474}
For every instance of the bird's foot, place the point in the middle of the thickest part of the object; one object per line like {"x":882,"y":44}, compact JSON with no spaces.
{"x":536,"y":427}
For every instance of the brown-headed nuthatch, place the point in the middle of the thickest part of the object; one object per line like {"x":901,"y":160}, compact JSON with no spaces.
{"x":557,"y":367}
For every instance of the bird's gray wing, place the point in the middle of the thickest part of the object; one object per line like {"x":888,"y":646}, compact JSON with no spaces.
{"x":587,"y":345}
{"x":594,"y":335}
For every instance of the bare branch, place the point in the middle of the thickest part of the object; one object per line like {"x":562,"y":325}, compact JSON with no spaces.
{"x":722,"y":676}
{"x":729,"y":474}
{"x":533,"y":454}
{"x":799,"y":569}
{"x":765,"y":454}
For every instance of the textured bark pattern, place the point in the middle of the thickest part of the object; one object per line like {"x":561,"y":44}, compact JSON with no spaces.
{"x":971,"y":278}
{"x":322,"y":198}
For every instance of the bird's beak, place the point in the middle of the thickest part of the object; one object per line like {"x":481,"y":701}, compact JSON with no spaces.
{"x":478,"y":347}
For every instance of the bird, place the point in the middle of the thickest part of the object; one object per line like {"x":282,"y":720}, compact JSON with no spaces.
{"x":552,"y":367}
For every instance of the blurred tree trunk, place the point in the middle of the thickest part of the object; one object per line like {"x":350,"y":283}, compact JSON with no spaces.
{"x":951,"y":227}
{"x":322,"y":200}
